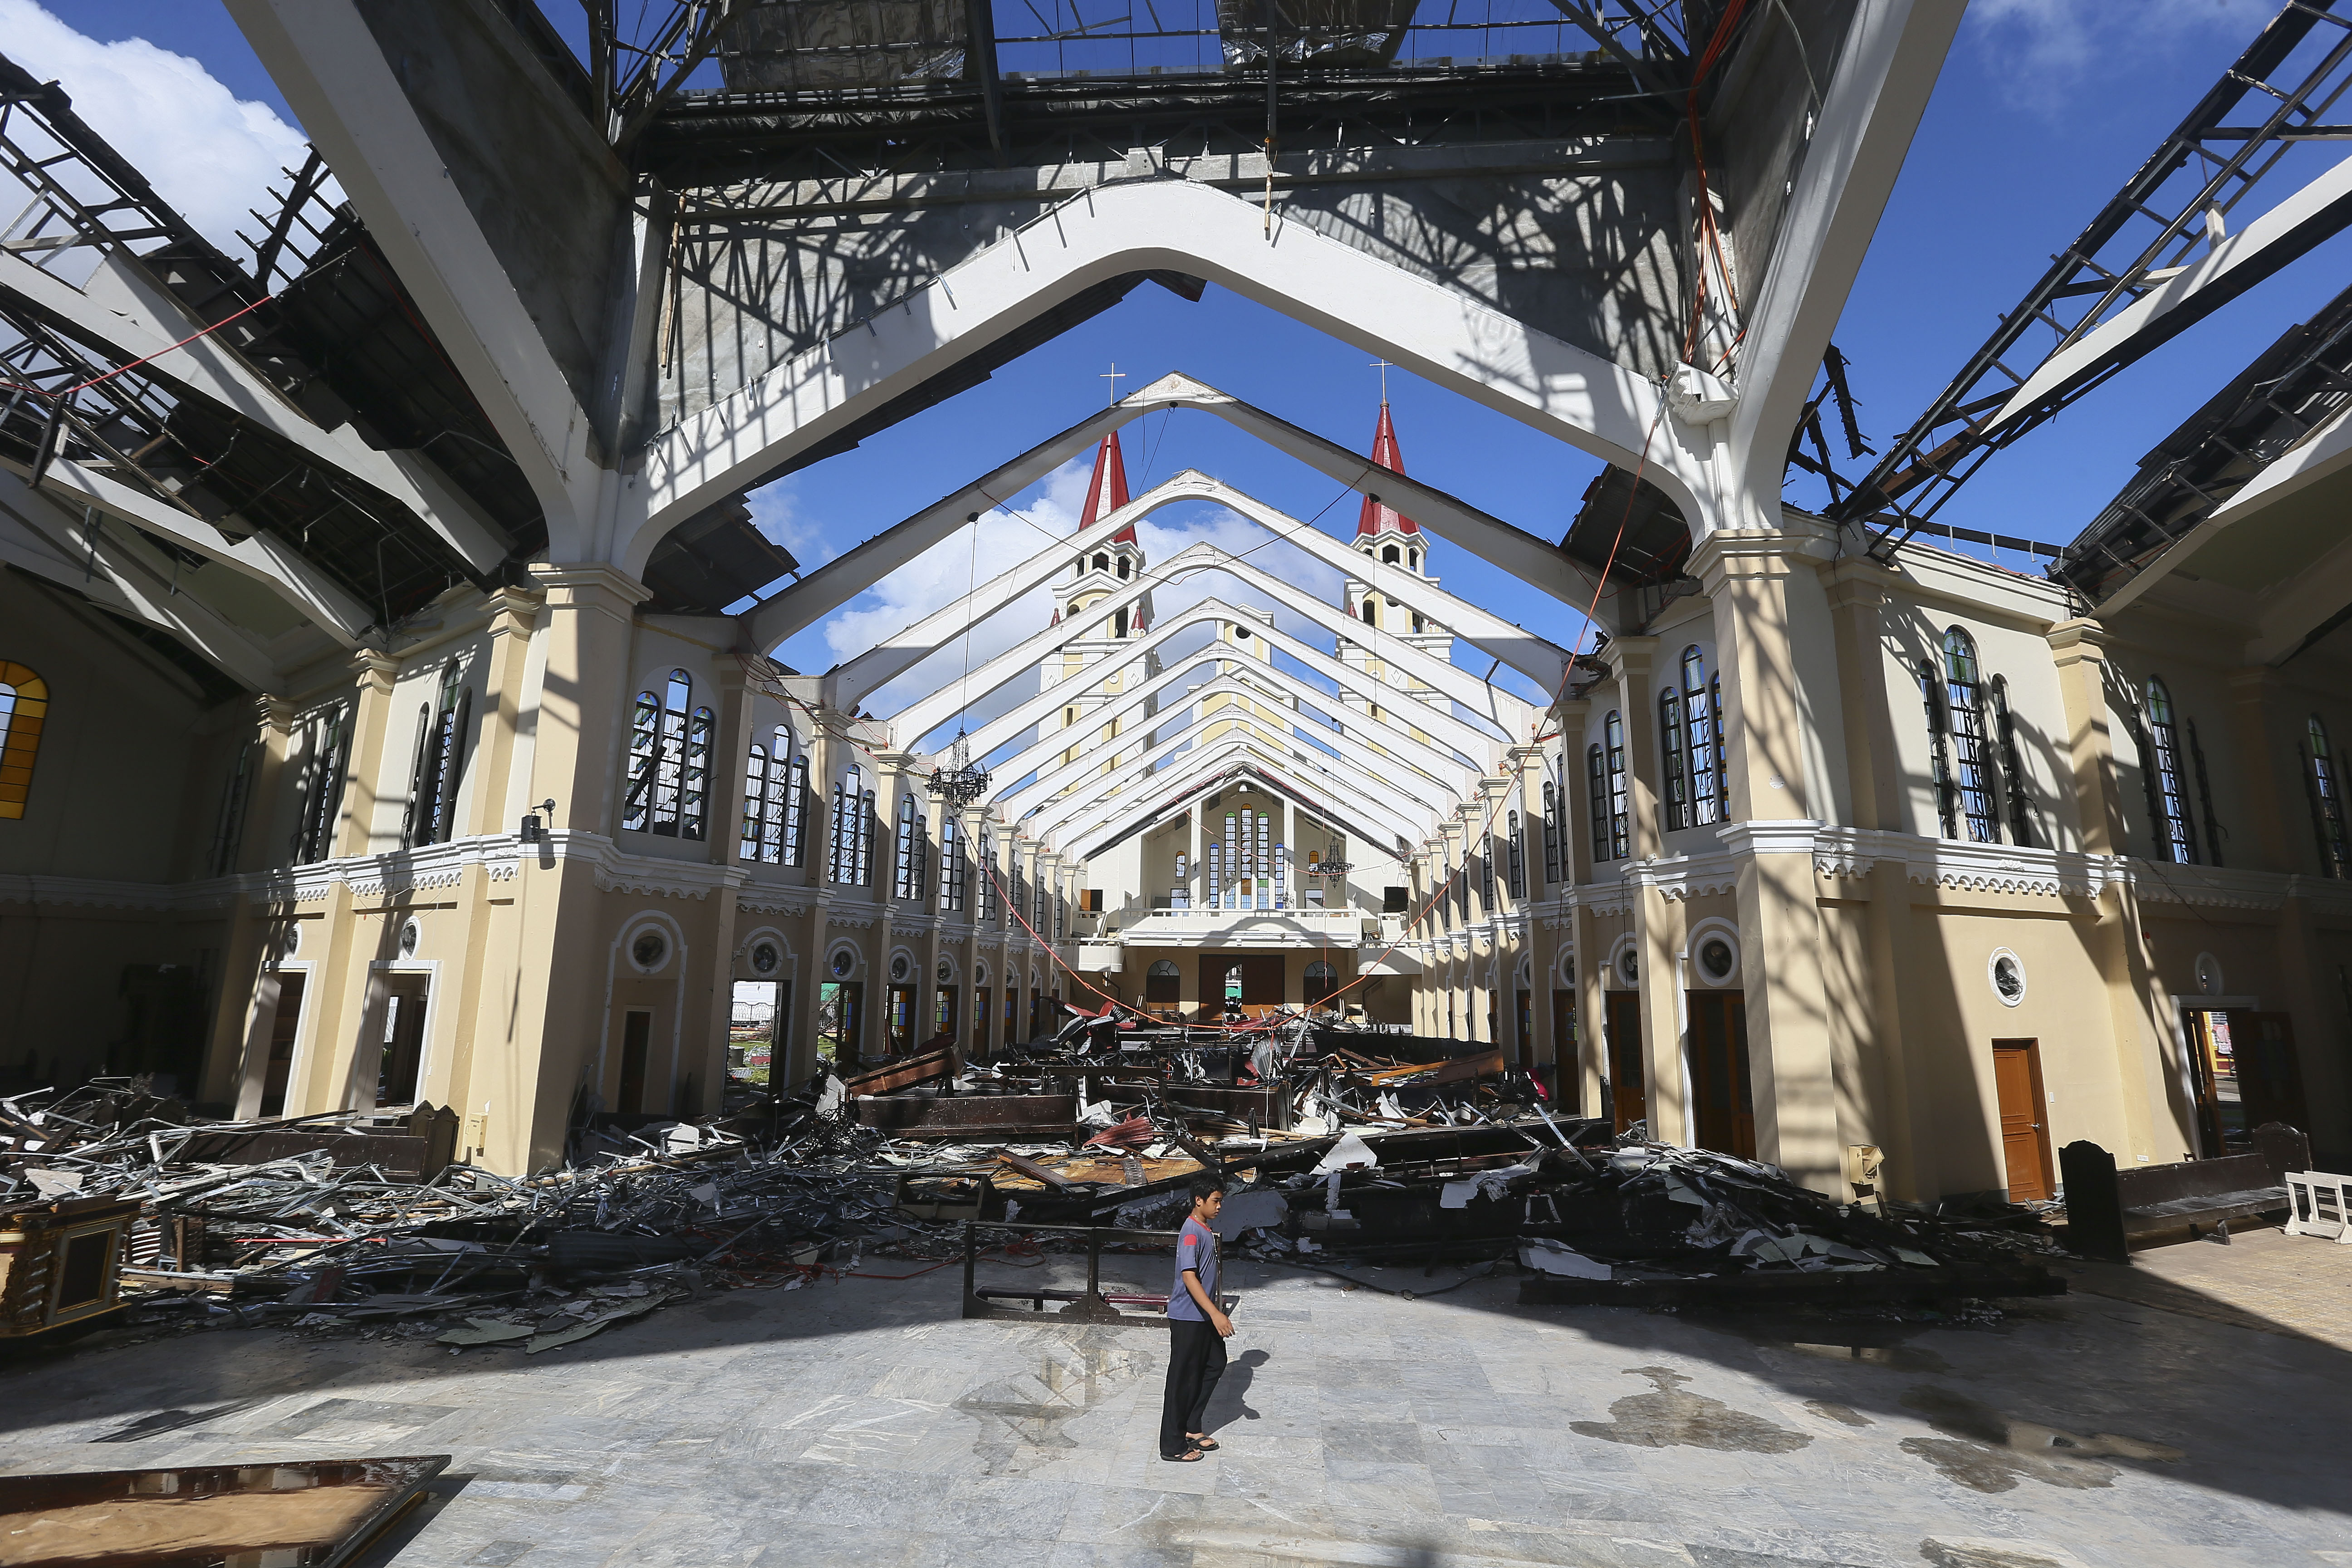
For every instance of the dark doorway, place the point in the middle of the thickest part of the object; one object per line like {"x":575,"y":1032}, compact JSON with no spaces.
{"x":841,"y":1021}
{"x":1321,"y":981}
{"x":1622,"y":1031}
{"x":2024,"y":1133}
{"x":285,"y":1027}
{"x":162,"y":1026}
{"x":1163,"y":984}
{"x":1726,"y":1100}
{"x":1253,"y":979}
{"x":2270,"y":1081}
{"x":1567,"y":1062}
{"x":404,"y":997}
{"x":636,"y":1046}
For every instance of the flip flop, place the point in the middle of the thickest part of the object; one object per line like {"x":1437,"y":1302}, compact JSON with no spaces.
{"x":1189,"y":1457}
{"x":1205,"y":1444}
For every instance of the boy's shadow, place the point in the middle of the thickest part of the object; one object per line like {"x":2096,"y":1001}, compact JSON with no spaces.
{"x":1233,"y":1386}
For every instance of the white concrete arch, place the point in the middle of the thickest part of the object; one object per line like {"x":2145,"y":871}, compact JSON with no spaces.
{"x":1506,"y":712}
{"x":1439,"y":793}
{"x":1229,"y":762}
{"x":1537,"y":658}
{"x":1281,"y":761}
{"x":1152,"y":224}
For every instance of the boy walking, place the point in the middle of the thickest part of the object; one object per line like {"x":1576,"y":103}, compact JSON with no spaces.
{"x":1197,"y":1330}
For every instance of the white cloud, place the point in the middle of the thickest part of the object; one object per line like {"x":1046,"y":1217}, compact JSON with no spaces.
{"x":775,"y":512}
{"x":206,"y":152}
{"x":2041,"y":52}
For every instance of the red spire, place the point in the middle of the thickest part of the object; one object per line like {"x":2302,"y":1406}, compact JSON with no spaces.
{"x":1107,"y":463}
{"x":1377,"y":517}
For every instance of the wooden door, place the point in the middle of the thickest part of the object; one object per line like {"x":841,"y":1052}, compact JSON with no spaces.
{"x":2024,"y":1131}
{"x":283,"y":1026}
{"x":2270,"y":1080}
{"x":1623,"y":1029}
{"x":1567,"y":1064}
{"x":636,"y":1046}
{"x":1726,"y":1100}
{"x":1262,"y":980}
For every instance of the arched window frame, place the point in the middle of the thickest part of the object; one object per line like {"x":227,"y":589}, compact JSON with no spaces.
{"x":1553,"y":876}
{"x":1674,"y":793}
{"x":2325,"y":784}
{"x":644,"y":729}
{"x":1596,"y":794}
{"x":694,"y":801}
{"x":1976,"y":782}
{"x":327,"y":760}
{"x":991,"y":909}
{"x":1619,"y":819}
{"x":1487,"y":855}
{"x":24,"y":712}
{"x":2168,"y":784}
{"x":228,"y":832}
{"x":953,"y":874}
{"x":669,"y":755}
{"x":1371,"y":610}
{"x":1931,"y":697}
{"x":431,"y":816}
{"x":2012,"y":764}
{"x":2204,"y":794}
{"x":1703,"y":738}
{"x":1518,"y":874}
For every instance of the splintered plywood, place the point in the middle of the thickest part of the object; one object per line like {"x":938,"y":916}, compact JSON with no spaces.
{"x":1107,"y":1169}
{"x":313,"y":1515}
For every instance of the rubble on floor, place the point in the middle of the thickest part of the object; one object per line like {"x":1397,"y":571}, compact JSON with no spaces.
{"x":1337,"y":1149}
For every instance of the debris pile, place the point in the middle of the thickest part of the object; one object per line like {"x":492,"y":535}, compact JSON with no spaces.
{"x":1336,"y":1147}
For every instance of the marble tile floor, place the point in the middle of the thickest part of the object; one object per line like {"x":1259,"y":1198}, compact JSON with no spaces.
{"x":863,"y":1421}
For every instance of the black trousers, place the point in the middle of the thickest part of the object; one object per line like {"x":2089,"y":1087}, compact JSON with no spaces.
{"x":1196,"y":1359}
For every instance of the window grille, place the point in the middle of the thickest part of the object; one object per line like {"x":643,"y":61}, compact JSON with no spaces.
{"x":1703,"y":735}
{"x":327,"y":745}
{"x":670,"y":755}
{"x":2205,"y":796}
{"x":1931,"y":694}
{"x":1552,"y":875}
{"x":1486,"y":858}
{"x":1671,"y":742}
{"x":2176,"y":838}
{"x":24,"y":712}
{"x":1519,"y":857}
{"x":1972,"y":772}
{"x":229,"y":831}
{"x":989,"y":908}
{"x":2327,"y":802}
{"x":953,"y":874}
{"x":2012,"y":765}
{"x":905,"y":881}
{"x":1618,"y":842}
{"x":440,"y":760}
{"x":644,"y":726}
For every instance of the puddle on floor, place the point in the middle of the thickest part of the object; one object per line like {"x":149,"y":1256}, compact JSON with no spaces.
{"x":1844,"y":1415}
{"x":1826,"y":1338}
{"x":1989,"y":1451}
{"x":1669,"y":1418}
{"x":1959,"y":1554}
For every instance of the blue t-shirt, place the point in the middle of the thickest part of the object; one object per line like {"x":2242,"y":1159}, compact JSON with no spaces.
{"x":1196,"y":1248}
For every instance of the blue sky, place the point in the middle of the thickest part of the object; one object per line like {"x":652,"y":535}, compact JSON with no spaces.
{"x":2045,"y":108}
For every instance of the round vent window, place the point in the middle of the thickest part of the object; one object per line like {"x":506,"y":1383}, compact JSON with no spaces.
{"x":844,"y":961}
{"x":2007,"y":971}
{"x":901,"y":966}
{"x":291,"y":943}
{"x":947,"y":972}
{"x":2209,"y":975}
{"x":410,"y":933}
{"x":1718,"y":961}
{"x":649,"y":949}
{"x":765,"y":958}
{"x":1629,"y":966}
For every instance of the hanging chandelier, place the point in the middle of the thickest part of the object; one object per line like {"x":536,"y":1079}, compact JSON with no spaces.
{"x":959,"y":783}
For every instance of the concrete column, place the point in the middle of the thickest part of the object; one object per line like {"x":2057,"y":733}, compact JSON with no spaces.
{"x":514,"y":617}
{"x":2079,"y":649}
{"x":1773,"y":633}
{"x":371,"y":719}
{"x":584,"y":715}
{"x":2280,"y":837}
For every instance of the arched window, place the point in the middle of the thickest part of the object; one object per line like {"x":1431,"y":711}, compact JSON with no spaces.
{"x":2012,"y":764}
{"x":989,"y":907}
{"x":2327,"y":802}
{"x":440,"y":760}
{"x":669,"y":762}
{"x":644,"y":729}
{"x":752,"y":843}
{"x":1412,"y":559}
{"x":1102,"y":562}
{"x":1519,"y":858}
{"x":852,"y":830}
{"x":906,"y":881}
{"x":24,"y":709}
{"x":694,"y":805}
{"x":1931,"y":697}
{"x":1488,"y":904}
{"x":1321,"y":981}
{"x":2167,"y":789}
{"x":326,"y":759}
{"x":1372,"y":612}
{"x":773,"y":781}
{"x":1163,"y":984}
{"x":1671,"y":743}
{"x":1606,"y":764}
{"x":1552,"y":833}
{"x":953,"y":873}
{"x":1125,"y":568}
{"x":1702,"y":732}
{"x":1390,"y":554}
{"x":228,"y":832}
{"x":2204,"y":794}
{"x":1119,"y":622}
{"x":1975,"y":783}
